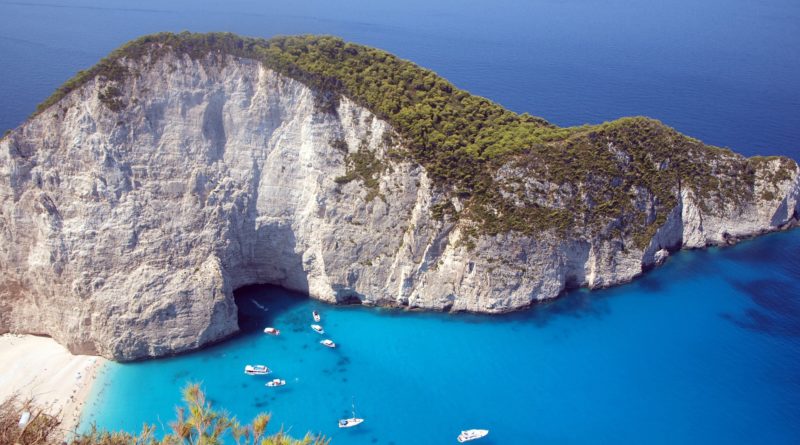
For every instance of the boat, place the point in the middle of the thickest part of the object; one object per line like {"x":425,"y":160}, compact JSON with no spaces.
{"x":316,"y":316}
{"x":272,"y":331}
{"x":317,"y":328}
{"x":329,"y":343}
{"x":468,"y":435}
{"x":276,"y":382}
{"x":256,"y":370}
{"x":351,"y":422}
{"x":348,"y":423}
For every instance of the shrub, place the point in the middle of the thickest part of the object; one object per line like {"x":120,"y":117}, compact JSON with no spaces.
{"x":197,"y":423}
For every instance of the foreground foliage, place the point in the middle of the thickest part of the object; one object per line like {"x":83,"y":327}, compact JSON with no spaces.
{"x":42,"y":428}
{"x":197,"y":423}
{"x":619,"y":179}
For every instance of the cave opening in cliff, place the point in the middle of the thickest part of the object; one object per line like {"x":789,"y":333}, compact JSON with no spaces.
{"x":258,"y":305}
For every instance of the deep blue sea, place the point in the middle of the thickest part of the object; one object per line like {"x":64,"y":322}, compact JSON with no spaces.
{"x":703,"y":350}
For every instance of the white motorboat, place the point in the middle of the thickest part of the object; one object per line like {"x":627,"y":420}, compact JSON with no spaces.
{"x":316,"y":316}
{"x":348,"y":423}
{"x":351,"y":422}
{"x":256,"y":370}
{"x":468,"y":435}
{"x":272,"y":331}
{"x":276,"y":382}
{"x":329,"y":343}
{"x":317,"y":328}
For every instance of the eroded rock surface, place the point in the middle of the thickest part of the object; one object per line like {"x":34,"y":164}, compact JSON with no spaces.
{"x":124,"y":232}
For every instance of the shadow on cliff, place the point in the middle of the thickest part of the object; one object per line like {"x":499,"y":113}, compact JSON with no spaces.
{"x":260,"y":304}
{"x":269,"y":275}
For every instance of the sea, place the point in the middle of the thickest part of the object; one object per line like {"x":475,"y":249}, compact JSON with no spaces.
{"x":705,"y":349}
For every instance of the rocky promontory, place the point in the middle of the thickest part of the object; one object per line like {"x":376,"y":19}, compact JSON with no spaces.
{"x":184,"y":166}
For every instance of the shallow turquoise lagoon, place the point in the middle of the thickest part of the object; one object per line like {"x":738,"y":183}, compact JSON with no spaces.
{"x":703,"y":350}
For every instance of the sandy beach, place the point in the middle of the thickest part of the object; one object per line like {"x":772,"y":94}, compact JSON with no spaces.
{"x":40,"y":368}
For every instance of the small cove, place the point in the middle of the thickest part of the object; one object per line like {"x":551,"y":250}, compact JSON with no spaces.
{"x":705,"y":349}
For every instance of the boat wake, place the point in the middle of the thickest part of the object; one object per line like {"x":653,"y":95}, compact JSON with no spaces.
{"x":259,"y":305}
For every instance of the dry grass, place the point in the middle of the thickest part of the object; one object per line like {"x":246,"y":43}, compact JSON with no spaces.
{"x":41,"y":429}
{"x":197,"y":423}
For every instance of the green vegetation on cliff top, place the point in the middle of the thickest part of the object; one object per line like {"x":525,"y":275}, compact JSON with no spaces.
{"x":615,"y":179}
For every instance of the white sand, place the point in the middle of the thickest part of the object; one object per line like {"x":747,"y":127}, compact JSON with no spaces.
{"x":40,"y":368}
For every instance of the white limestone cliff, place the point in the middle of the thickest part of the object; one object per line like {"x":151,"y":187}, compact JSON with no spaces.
{"x":124,"y":233}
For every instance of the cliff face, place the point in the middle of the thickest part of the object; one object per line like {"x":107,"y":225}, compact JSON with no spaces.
{"x":125,"y":227}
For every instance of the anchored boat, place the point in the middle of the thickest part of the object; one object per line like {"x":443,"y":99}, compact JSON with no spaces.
{"x":351,"y":422}
{"x":329,"y":343}
{"x":256,"y":370}
{"x":468,"y":435}
{"x":272,"y":331}
{"x":317,"y":328}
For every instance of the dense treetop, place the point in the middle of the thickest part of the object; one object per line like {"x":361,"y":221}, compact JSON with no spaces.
{"x":606,"y":174}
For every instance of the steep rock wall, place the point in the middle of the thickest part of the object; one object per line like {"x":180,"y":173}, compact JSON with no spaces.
{"x":124,"y":232}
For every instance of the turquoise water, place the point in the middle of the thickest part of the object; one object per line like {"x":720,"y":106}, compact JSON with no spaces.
{"x":703,"y":350}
